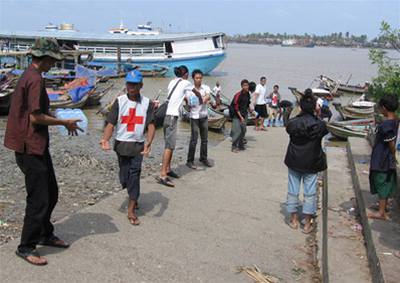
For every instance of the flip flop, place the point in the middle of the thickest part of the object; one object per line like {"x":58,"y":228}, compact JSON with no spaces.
{"x":134,"y":220}
{"x":25,"y":255}
{"x":165,"y":181}
{"x":173,"y":174}
{"x":294,"y":226}
{"x":312,"y":227}
{"x":55,"y":242}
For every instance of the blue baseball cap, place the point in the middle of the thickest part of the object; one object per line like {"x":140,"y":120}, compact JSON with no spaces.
{"x":134,"y":76}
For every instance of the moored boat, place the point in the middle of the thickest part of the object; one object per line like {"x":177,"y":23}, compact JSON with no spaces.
{"x":348,"y":131}
{"x":340,"y":88}
{"x":99,"y":92}
{"x":216,"y":120}
{"x":68,"y":103}
{"x":355,"y":122}
{"x":204,"y":51}
{"x":348,"y":113}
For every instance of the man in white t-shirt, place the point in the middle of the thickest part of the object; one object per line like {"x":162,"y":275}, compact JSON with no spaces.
{"x":198,"y":120}
{"x":178,"y":89}
{"x":260,"y":104}
{"x":217,"y":90}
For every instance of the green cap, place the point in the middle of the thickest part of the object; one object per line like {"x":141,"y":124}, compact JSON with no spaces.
{"x":46,"y":46}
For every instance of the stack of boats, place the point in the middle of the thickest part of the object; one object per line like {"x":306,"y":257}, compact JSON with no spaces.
{"x":358,"y":117}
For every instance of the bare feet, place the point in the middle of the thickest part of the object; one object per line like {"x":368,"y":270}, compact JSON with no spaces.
{"x":294,"y":224}
{"x":377,"y":215}
{"x":294,"y":221}
{"x":397,"y":254}
{"x":308,"y":227}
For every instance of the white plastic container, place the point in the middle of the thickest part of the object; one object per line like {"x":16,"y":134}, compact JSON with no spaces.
{"x":66,"y":114}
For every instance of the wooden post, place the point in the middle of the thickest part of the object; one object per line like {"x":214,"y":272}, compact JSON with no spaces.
{"x":119,"y":59}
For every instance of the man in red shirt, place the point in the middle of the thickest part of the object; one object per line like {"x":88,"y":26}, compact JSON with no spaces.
{"x":27,"y":134}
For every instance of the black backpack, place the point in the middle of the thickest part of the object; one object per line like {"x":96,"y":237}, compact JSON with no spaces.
{"x":231,"y":107}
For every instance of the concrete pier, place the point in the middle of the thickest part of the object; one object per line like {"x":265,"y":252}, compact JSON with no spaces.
{"x":213,"y":221}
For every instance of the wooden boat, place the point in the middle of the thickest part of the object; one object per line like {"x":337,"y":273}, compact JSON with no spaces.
{"x":216,"y":120}
{"x":363,"y":104}
{"x":95,"y":97}
{"x":69,"y":104}
{"x":225,"y":102}
{"x":154,"y":73}
{"x":319,"y":92}
{"x":339,"y":88}
{"x":348,"y":131}
{"x":348,"y":113}
{"x":356,"y":122}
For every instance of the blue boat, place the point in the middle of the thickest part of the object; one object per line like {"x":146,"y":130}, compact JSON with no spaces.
{"x":144,"y":48}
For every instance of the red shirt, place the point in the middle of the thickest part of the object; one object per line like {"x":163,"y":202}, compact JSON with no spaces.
{"x":29,"y":97}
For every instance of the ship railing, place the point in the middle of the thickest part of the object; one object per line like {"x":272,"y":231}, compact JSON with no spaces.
{"x":19,"y":47}
{"x":124,"y":50}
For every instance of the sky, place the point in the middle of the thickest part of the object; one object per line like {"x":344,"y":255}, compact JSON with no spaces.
{"x":232,"y":17}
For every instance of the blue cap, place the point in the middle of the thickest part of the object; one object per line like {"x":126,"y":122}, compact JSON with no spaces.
{"x":134,"y":76}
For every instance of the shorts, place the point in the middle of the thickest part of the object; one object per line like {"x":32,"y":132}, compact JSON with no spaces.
{"x":273,"y":112}
{"x":261,"y":110}
{"x":383,"y":183}
{"x":170,"y":128}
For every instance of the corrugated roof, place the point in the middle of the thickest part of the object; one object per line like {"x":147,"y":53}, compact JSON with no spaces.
{"x":93,"y":37}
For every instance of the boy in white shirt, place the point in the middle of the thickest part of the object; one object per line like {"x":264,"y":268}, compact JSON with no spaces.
{"x":260,"y":104}
{"x":198,"y":120}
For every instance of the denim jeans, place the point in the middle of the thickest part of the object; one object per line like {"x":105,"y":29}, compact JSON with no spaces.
{"x":309,"y":192}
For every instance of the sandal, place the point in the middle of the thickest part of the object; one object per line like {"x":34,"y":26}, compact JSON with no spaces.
{"x":165,"y":181}
{"x":134,"y":220}
{"x":173,"y":174}
{"x":309,"y":230}
{"x":32,"y":253}
{"x":54,"y":241}
{"x":294,"y":226}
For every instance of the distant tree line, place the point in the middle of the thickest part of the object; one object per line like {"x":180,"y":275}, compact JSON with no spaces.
{"x":334,"y":39}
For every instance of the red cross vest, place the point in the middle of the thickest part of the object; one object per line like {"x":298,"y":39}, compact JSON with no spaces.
{"x":132,"y":119}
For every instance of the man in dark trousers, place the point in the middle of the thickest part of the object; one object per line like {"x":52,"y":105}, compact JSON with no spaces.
{"x":241,"y":103}
{"x":27,"y":134}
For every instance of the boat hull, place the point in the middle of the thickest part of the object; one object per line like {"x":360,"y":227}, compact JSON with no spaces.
{"x":205,"y":63}
{"x":343,"y":133}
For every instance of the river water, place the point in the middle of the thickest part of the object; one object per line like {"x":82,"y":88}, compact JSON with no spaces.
{"x":285,"y":66}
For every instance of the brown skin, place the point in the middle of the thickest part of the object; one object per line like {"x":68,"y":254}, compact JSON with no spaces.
{"x":105,"y":145}
{"x":383,"y":203}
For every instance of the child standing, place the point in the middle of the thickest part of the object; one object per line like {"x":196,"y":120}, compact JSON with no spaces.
{"x":382,"y":174}
{"x":131,"y":115}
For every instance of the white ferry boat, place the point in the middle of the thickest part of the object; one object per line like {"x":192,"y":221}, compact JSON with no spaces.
{"x":145,"y":47}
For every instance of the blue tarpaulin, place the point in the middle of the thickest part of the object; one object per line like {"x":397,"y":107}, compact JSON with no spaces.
{"x":83,"y":72}
{"x":79,"y":92}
